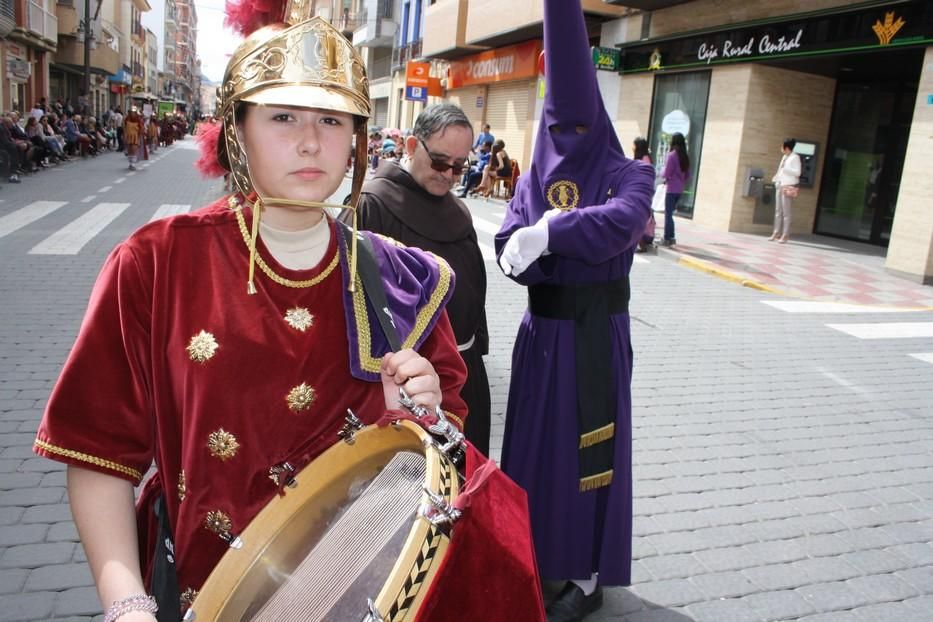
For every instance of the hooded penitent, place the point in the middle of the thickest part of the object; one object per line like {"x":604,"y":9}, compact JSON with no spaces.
{"x":568,"y":421}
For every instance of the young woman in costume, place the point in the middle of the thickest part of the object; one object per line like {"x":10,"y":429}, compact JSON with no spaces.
{"x":225,"y":345}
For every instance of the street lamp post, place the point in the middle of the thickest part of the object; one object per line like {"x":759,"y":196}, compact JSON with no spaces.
{"x":88,"y":33}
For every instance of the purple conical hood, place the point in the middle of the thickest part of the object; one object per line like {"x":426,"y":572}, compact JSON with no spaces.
{"x":576,"y":143}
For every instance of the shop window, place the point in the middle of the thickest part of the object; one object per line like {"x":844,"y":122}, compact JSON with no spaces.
{"x":679,"y":105}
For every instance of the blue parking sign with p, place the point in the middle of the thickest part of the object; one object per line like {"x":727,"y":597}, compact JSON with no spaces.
{"x":416,"y":93}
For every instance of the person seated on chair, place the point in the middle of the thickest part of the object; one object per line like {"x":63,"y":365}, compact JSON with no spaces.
{"x":475,"y":172}
{"x":500,"y":165}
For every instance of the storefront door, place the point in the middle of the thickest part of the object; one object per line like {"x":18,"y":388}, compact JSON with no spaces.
{"x":679,"y":106}
{"x":864,"y":159}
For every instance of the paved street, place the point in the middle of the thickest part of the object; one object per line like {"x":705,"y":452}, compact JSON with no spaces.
{"x":783,"y":450}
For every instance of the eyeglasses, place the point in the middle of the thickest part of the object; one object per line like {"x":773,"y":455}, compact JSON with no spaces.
{"x":441,"y":166}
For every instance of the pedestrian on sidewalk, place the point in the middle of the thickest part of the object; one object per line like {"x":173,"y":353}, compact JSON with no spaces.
{"x":675,"y":174}
{"x":786,"y":186}
{"x":412,"y":203}
{"x":229,"y":358}
{"x":569,"y":235}
{"x":640,"y":153}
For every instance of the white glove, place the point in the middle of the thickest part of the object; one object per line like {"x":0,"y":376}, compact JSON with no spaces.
{"x":524,"y":248}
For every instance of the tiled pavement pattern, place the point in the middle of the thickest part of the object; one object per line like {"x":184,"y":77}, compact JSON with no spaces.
{"x":783,"y":467}
{"x":809,"y":266}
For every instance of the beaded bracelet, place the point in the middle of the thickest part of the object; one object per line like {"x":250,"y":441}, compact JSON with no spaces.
{"x":136,"y":602}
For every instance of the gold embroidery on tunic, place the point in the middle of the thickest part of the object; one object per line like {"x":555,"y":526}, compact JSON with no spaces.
{"x":222,"y":444}
{"x":301,"y":397}
{"x":299,"y":318}
{"x":218,"y":522}
{"x":83,"y":457}
{"x":187,"y":597}
{"x":182,"y":488}
{"x":202,"y":347}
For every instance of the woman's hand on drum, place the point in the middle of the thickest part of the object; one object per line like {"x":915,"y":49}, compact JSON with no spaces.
{"x":406,"y":369}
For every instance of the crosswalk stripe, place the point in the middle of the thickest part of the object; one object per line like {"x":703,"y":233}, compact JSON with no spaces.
{"x":806,"y":306}
{"x":926,"y":357}
{"x":488,"y":253}
{"x":26,"y":215}
{"x":104,"y":189}
{"x":887,"y":330}
{"x":89,"y":198}
{"x":484,"y":225}
{"x":170,"y":209}
{"x":641,"y":259}
{"x":70,"y":239}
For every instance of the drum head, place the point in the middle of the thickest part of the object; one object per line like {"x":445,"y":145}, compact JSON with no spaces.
{"x":348,"y":532}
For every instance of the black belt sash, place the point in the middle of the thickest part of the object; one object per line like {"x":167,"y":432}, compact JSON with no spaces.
{"x":589,"y":306}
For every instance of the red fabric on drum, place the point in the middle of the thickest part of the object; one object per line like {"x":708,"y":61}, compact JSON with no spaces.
{"x":489,"y":572}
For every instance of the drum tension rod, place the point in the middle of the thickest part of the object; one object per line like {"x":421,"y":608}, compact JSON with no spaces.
{"x":373,"y":614}
{"x":438,"y":511}
{"x":348,"y":432}
{"x":453,"y":447}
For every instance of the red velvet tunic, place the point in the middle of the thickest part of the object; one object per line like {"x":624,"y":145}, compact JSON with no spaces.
{"x":176,"y":364}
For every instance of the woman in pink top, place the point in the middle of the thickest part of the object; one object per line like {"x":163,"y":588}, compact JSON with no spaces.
{"x":676,"y":172}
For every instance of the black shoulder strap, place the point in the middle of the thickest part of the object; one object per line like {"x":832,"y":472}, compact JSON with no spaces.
{"x":372,"y":285}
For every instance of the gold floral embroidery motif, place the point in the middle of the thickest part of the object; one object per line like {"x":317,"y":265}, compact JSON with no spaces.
{"x":182,"y":488}
{"x":218,"y":522}
{"x":202,"y":347}
{"x":222,"y":444}
{"x":300,"y":398}
{"x":187,"y":597}
{"x":299,"y":318}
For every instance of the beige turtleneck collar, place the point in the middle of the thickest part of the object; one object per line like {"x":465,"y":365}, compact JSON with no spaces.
{"x":297,"y":250}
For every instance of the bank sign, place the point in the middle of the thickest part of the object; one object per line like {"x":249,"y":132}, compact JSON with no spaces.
{"x":892,"y":25}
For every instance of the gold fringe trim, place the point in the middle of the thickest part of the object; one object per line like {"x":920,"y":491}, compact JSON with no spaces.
{"x":596,"y":481}
{"x":597,"y":436}
{"x":77,"y":455}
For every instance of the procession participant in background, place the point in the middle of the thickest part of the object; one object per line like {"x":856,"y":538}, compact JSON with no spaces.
{"x":133,"y":136}
{"x":411,"y":202}
{"x":229,"y":352}
{"x":568,"y":235}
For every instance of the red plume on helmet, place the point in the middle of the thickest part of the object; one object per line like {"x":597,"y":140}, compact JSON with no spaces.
{"x":247,"y":16}
{"x":207,"y":138}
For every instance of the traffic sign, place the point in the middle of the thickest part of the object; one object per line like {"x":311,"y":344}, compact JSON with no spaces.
{"x":416,"y":94}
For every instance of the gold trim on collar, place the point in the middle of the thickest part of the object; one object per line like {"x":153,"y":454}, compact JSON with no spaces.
{"x":237,"y":208}
{"x":83,"y":457}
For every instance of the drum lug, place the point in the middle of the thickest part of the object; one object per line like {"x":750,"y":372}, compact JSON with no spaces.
{"x":373,"y":614}
{"x":438,"y":511}
{"x":190,"y":616}
{"x":232,"y":540}
{"x":454,"y":439}
{"x":348,"y":432}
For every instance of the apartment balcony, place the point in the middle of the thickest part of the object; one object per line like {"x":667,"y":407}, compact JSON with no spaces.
{"x":376,"y":28}
{"x":71,"y":52}
{"x":42,"y":23}
{"x":523,"y":21}
{"x":400,"y":56}
{"x":7,"y":17}
{"x":67,"y":18}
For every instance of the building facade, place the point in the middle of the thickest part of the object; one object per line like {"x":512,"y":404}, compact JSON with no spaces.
{"x":31,"y":40}
{"x":185,"y":53}
{"x":851,"y":82}
{"x":490,"y":67}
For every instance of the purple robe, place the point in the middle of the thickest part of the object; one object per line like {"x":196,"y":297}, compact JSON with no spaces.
{"x":608,"y":195}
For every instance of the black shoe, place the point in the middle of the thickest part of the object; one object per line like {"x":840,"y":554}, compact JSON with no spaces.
{"x":572,"y":605}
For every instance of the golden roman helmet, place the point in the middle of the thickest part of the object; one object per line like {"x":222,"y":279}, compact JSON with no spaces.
{"x":309,"y":64}
{"x":302,"y":61}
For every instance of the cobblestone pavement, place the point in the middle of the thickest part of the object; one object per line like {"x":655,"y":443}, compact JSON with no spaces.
{"x":783,"y":454}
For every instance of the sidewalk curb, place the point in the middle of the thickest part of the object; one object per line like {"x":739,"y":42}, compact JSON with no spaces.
{"x":708,"y":268}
